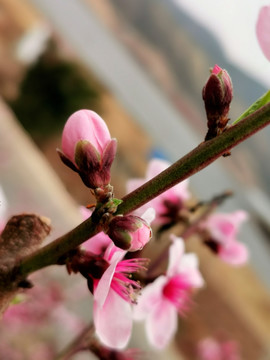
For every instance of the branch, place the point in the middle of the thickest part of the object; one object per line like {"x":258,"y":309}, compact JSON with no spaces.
{"x":196,"y":160}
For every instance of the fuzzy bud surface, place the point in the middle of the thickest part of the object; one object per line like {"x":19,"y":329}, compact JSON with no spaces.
{"x":87,"y":148}
{"x":217,"y":95}
{"x":129,"y":232}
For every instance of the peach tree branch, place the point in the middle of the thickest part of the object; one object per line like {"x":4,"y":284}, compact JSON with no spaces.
{"x":197,"y":159}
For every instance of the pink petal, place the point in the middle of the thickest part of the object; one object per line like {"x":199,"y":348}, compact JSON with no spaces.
{"x":209,"y":349}
{"x":235,"y":253}
{"x":225,"y":225}
{"x":176,"y":252}
{"x":133,"y":184}
{"x":84,"y":125}
{"x":189,"y":266}
{"x":263,"y":30}
{"x":150,"y":296}
{"x":155,"y":167}
{"x":97,"y":244}
{"x":103,"y":287}
{"x":161,"y":324}
{"x":149,"y":215}
{"x":216,"y":70}
{"x":181,"y":190}
{"x":113,"y":321}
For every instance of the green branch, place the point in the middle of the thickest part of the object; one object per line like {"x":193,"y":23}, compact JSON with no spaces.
{"x":190,"y":164}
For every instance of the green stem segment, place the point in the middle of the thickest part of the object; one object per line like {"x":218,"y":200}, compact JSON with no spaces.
{"x":190,"y":164}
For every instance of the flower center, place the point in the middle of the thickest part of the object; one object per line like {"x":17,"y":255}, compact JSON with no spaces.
{"x":177,"y":291}
{"x":122,"y":281}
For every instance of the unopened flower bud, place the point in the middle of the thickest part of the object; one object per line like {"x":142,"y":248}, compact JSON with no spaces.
{"x":217,"y":95}
{"x":129,"y":232}
{"x":87,"y":148}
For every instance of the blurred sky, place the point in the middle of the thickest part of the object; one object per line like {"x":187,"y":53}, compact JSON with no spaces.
{"x":233,"y":22}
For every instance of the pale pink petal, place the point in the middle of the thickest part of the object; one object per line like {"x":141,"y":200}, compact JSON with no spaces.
{"x":161,"y":324}
{"x":3,"y":204}
{"x":97,"y":244}
{"x":238,"y":217}
{"x":149,"y":215}
{"x":84,"y":125}
{"x":176,"y":252}
{"x":103,"y":287}
{"x":234,"y":253}
{"x":181,"y":190}
{"x":189,"y":266}
{"x":155,"y":167}
{"x":133,"y":184}
{"x":114,"y":253}
{"x":150,"y":296}
{"x":263,"y":30}
{"x":113,"y":321}
{"x":85,"y":213}
{"x":223,"y":226}
{"x":140,"y":237}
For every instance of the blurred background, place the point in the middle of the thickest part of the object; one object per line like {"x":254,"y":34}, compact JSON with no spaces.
{"x":141,"y":65}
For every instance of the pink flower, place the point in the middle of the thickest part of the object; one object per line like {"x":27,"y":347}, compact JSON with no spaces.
{"x":211,"y":349}
{"x":113,"y":295}
{"x":35,"y":306}
{"x":223,"y":229}
{"x":129,"y":232}
{"x":169,"y":295}
{"x":168,"y":204}
{"x":263,"y":30}
{"x":87,"y":148}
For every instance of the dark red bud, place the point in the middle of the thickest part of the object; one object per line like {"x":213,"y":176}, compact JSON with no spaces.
{"x":217,"y":95}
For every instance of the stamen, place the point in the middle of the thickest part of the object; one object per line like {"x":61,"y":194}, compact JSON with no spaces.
{"x":122,"y":282}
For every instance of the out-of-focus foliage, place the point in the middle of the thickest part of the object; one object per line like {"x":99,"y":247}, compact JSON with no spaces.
{"x":52,"y":89}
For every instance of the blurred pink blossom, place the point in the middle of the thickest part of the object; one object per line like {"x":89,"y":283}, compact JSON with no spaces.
{"x":34,"y":307}
{"x":168,"y":204}
{"x":263,"y":30}
{"x":211,"y":349}
{"x":169,"y":295}
{"x":223,"y":230}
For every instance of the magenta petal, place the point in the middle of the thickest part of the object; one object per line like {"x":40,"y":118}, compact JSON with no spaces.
{"x":263,"y":30}
{"x":113,"y":321}
{"x":216,"y":70}
{"x":161,"y":324}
